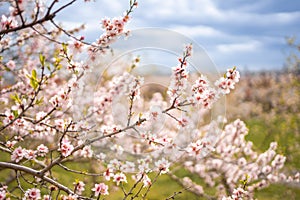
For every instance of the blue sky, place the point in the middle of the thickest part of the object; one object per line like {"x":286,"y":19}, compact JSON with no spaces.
{"x":249,"y":34}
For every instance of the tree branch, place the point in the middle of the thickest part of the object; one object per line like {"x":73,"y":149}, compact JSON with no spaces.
{"x":35,"y":173}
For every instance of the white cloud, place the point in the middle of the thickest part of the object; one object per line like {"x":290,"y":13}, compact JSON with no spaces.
{"x":199,"y":30}
{"x":267,"y":19}
{"x":239,"y":47}
{"x":180,"y":10}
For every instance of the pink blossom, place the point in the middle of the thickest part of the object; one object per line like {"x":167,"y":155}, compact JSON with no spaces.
{"x":197,"y":147}
{"x":42,"y":150}
{"x":33,"y":194}
{"x":183,"y":122}
{"x":227,"y":82}
{"x":128,"y":167}
{"x":144,"y":167}
{"x":238,"y":193}
{"x":163,"y":165}
{"x":8,"y":22}
{"x":10,"y":144}
{"x":233,"y":74}
{"x":278,"y":161}
{"x":108,"y":174}
{"x":188,"y":50}
{"x":3,"y":191}
{"x":18,"y":154}
{"x":114,"y":164}
{"x":11,"y":64}
{"x":100,"y":188}
{"x":179,"y":79}
{"x":40,"y":115}
{"x":60,"y":124}
{"x":76,"y":45}
{"x":9,"y":117}
{"x":46,"y":197}
{"x":30,"y":154}
{"x":60,"y":98}
{"x":66,"y":148}
{"x":113,"y":29}
{"x":86,"y":152}
{"x":224,"y":85}
{"x":79,"y":187}
{"x":69,"y":197}
{"x":119,"y":177}
{"x":203,"y":94}
{"x":242,"y":161}
{"x":146,"y":181}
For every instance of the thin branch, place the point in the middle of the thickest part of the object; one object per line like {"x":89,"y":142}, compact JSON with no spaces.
{"x":172,"y":117}
{"x":20,"y":12}
{"x":78,"y":172}
{"x":5,"y":149}
{"x":63,"y":7}
{"x":177,"y":193}
{"x":48,"y":16}
{"x":133,"y":187}
{"x":18,"y":181}
{"x":44,"y":35}
{"x":35,"y":173}
{"x":131,"y":98}
{"x":154,"y":180}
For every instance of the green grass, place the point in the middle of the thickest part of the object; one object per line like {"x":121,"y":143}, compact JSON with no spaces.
{"x":284,"y":130}
{"x":278,"y":192}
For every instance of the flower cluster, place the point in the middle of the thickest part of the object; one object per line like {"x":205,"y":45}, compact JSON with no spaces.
{"x":229,"y":80}
{"x":179,"y":78}
{"x":119,"y":177}
{"x":203,"y":93}
{"x":19,"y":153}
{"x":196,"y":148}
{"x":66,"y":147}
{"x":237,"y":194}
{"x":113,"y":29}
{"x":60,"y":98}
{"x":100,"y":189}
{"x":8,"y":22}
{"x":163,"y":166}
{"x":3,"y":192}
{"x":79,"y":187}
{"x":206,"y":95}
{"x":260,"y":169}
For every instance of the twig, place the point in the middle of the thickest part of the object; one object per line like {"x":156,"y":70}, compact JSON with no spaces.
{"x":78,"y":172}
{"x":133,"y":187}
{"x":36,"y":173}
{"x":154,"y":180}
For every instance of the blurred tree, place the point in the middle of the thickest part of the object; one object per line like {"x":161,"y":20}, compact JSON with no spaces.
{"x":293,"y":60}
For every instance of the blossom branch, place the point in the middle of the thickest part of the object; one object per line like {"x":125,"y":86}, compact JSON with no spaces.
{"x":90,"y":141}
{"x":130,"y":192}
{"x":149,"y":187}
{"x":35,"y":173}
{"x":78,"y":172}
